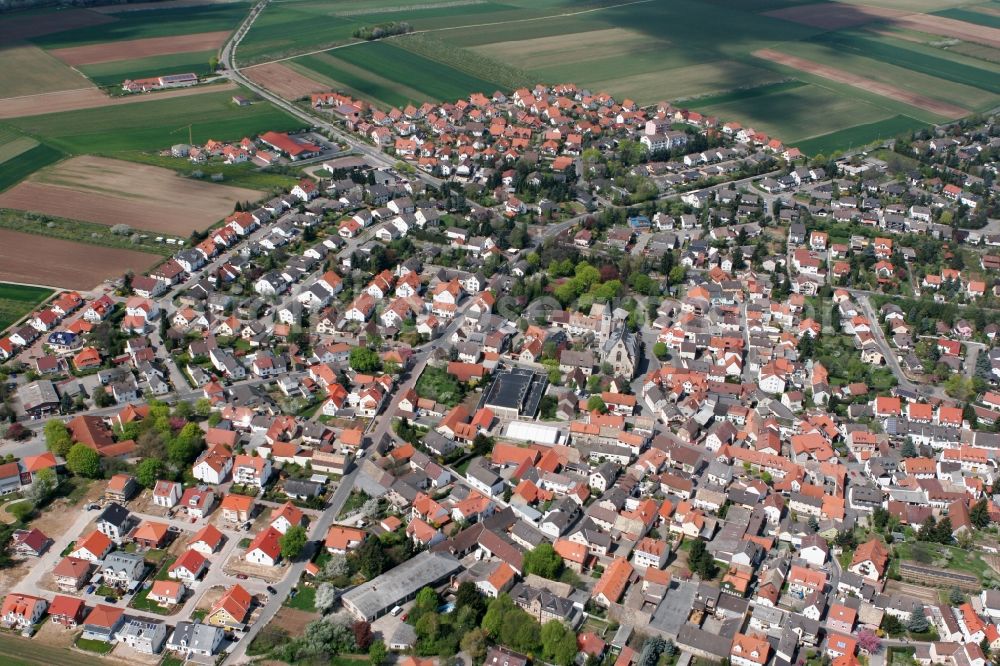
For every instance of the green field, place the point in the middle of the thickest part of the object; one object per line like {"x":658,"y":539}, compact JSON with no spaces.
{"x":151,"y":23}
{"x":797,"y":113}
{"x":384,"y":72}
{"x":13,"y":170}
{"x":951,"y":67}
{"x":18,"y":300}
{"x":859,"y":135}
{"x":111,"y":74}
{"x":24,"y":652}
{"x":115,"y":131}
{"x":969,"y":16}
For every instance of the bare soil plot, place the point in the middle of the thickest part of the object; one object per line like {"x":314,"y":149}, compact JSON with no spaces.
{"x":106,"y":191}
{"x":90,"y":98}
{"x":284,"y":81}
{"x":293,"y":620}
{"x":835,"y":15}
{"x":140,"y":48}
{"x":876,"y":87}
{"x":26,"y":26}
{"x":923,"y":592}
{"x":940,"y":25}
{"x":59,"y":263}
{"x":29,"y":70}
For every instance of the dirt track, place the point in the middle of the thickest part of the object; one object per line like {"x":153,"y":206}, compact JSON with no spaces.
{"x":283,"y":81}
{"x":89,"y":98}
{"x":109,"y":192}
{"x":60,"y":263}
{"x":877,"y":87}
{"x":834,"y":16}
{"x":140,"y":48}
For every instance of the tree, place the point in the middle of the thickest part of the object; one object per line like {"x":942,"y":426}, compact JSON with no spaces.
{"x":362,"y":634}
{"x":595,"y":403}
{"x":980,"y":514}
{"x":928,"y":530}
{"x":909,"y":450}
{"x":371,"y":557}
{"x":869,"y":641}
{"x":57,"y":437}
{"x":956,"y":597}
{"x":293,"y":541}
{"x":363,"y":359}
{"x":17,"y":432}
{"x":943,"y":531}
{"x":185,"y":447}
{"x":474,"y":644}
{"x":101,"y":397}
{"x":326,"y":597}
{"x":543,"y":561}
{"x":660,"y":350}
{"x":148,"y":472}
{"x":891,"y":625}
{"x":44,"y":485}
{"x":495,"y":612}
{"x":377,"y":652}
{"x":468,"y":596}
{"x":558,"y":643}
{"x":917,"y":623}
{"x":84,"y":461}
{"x":203,"y":407}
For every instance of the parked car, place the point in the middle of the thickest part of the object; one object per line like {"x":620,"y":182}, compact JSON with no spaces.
{"x":90,"y":589}
{"x":241,"y":576}
{"x":271,"y":590}
{"x":111,"y":600}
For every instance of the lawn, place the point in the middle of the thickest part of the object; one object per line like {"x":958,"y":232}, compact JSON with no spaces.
{"x":116,"y":131}
{"x":111,"y":74}
{"x":18,"y":300}
{"x":141,"y":602}
{"x":941,"y":556}
{"x":436,"y":384}
{"x":304,"y":600}
{"x":152,"y":23}
{"x":100,"y":647}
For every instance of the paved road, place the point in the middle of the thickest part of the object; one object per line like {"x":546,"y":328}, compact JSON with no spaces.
{"x":228,"y":59}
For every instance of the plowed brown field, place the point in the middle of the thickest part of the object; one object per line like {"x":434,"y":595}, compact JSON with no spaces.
{"x":140,"y":48}
{"x":59,"y":263}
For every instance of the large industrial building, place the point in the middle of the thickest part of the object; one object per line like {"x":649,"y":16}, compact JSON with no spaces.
{"x":375,"y":598}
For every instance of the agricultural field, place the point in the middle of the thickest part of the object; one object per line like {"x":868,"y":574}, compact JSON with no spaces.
{"x":107,"y":48}
{"x":146,"y":24}
{"x":111,"y":74}
{"x":28,"y":70}
{"x":110,"y":192}
{"x":17,"y":300}
{"x":155,"y":124}
{"x":889,"y":65}
{"x":21,"y":155}
{"x":61,"y":263}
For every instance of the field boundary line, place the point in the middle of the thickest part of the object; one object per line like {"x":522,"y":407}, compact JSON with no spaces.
{"x":455,"y":27}
{"x":53,"y":92}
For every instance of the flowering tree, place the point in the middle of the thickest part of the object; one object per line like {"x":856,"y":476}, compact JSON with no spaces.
{"x":868,"y":641}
